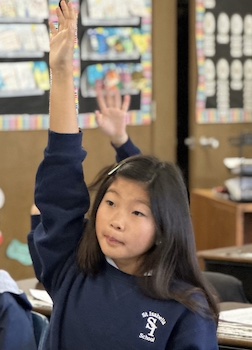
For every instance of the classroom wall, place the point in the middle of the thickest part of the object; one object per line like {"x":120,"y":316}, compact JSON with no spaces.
{"x":22,"y":151}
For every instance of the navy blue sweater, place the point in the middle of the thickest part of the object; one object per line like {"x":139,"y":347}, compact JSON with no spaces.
{"x":108,"y":311}
{"x":16,"y":326}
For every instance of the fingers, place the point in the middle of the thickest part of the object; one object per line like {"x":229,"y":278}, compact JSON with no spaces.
{"x":105,"y":98}
{"x":60,"y":17}
{"x":126,"y":103}
{"x":117,"y":98}
{"x":53,"y":29}
{"x":61,"y":4}
{"x":100,"y":98}
{"x":111,"y":98}
{"x":98,"y":118}
{"x":65,"y":11}
{"x":71,"y":11}
{"x":67,"y":18}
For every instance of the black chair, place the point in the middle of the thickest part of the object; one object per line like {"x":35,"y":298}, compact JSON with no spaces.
{"x":41,"y":326}
{"x":227,"y":287}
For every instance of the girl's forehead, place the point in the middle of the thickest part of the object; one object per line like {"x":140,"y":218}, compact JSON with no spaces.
{"x":125,"y":185}
{"x":121,"y":180}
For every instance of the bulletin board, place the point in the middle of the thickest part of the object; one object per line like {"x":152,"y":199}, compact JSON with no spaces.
{"x":24,"y":59}
{"x":224,"y":61}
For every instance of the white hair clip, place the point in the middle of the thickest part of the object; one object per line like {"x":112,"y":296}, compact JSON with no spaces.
{"x":114,"y":169}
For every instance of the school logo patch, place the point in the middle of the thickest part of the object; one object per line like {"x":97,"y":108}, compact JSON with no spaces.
{"x":153,"y":321}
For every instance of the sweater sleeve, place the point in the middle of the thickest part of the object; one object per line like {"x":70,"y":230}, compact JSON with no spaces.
{"x":62,"y":197}
{"x":35,"y":221}
{"x":128,"y":149}
{"x":194,"y":332}
{"x":16,"y":328}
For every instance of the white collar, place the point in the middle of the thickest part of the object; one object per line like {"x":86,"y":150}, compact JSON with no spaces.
{"x":7,"y":283}
{"x":111,"y":262}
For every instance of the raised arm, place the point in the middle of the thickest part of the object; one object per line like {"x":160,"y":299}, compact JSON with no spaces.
{"x":63,"y":118}
{"x":61,"y":194}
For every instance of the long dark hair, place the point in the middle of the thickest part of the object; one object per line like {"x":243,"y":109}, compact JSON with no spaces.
{"x":175,"y":272}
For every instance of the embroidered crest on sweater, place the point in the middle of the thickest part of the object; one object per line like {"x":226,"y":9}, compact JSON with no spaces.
{"x":153,"y":321}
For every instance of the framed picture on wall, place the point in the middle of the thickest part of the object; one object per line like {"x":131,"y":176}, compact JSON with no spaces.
{"x":224,"y":57}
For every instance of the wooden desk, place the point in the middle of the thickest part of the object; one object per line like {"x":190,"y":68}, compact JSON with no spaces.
{"x":33,"y":283}
{"x":219,"y":222}
{"x":235,"y":261}
{"x":234,"y":344}
{"x":231,"y":305}
{"x":226,"y":342}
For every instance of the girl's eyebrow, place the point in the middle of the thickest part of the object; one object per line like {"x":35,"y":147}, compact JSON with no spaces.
{"x":142,"y":201}
{"x":112,"y":190}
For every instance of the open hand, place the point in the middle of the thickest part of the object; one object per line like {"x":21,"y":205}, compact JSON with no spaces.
{"x":63,"y":37}
{"x":112,"y":116}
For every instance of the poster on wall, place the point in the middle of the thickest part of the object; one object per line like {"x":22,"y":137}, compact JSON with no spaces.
{"x":114,"y":45}
{"x":115,"y":48}
{"x":224,"y":60}
{"x":24,"y":69}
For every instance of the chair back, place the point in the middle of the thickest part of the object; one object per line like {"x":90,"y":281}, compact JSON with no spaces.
{"x":227,"y":287}
{"x":41,"y":326}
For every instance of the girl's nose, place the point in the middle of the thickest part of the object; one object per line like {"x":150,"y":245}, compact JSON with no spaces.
{"x":118,"y":224}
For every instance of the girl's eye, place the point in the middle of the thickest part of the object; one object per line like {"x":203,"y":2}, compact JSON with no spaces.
{"x":110,"y":203}
{"x":138,"y":213}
